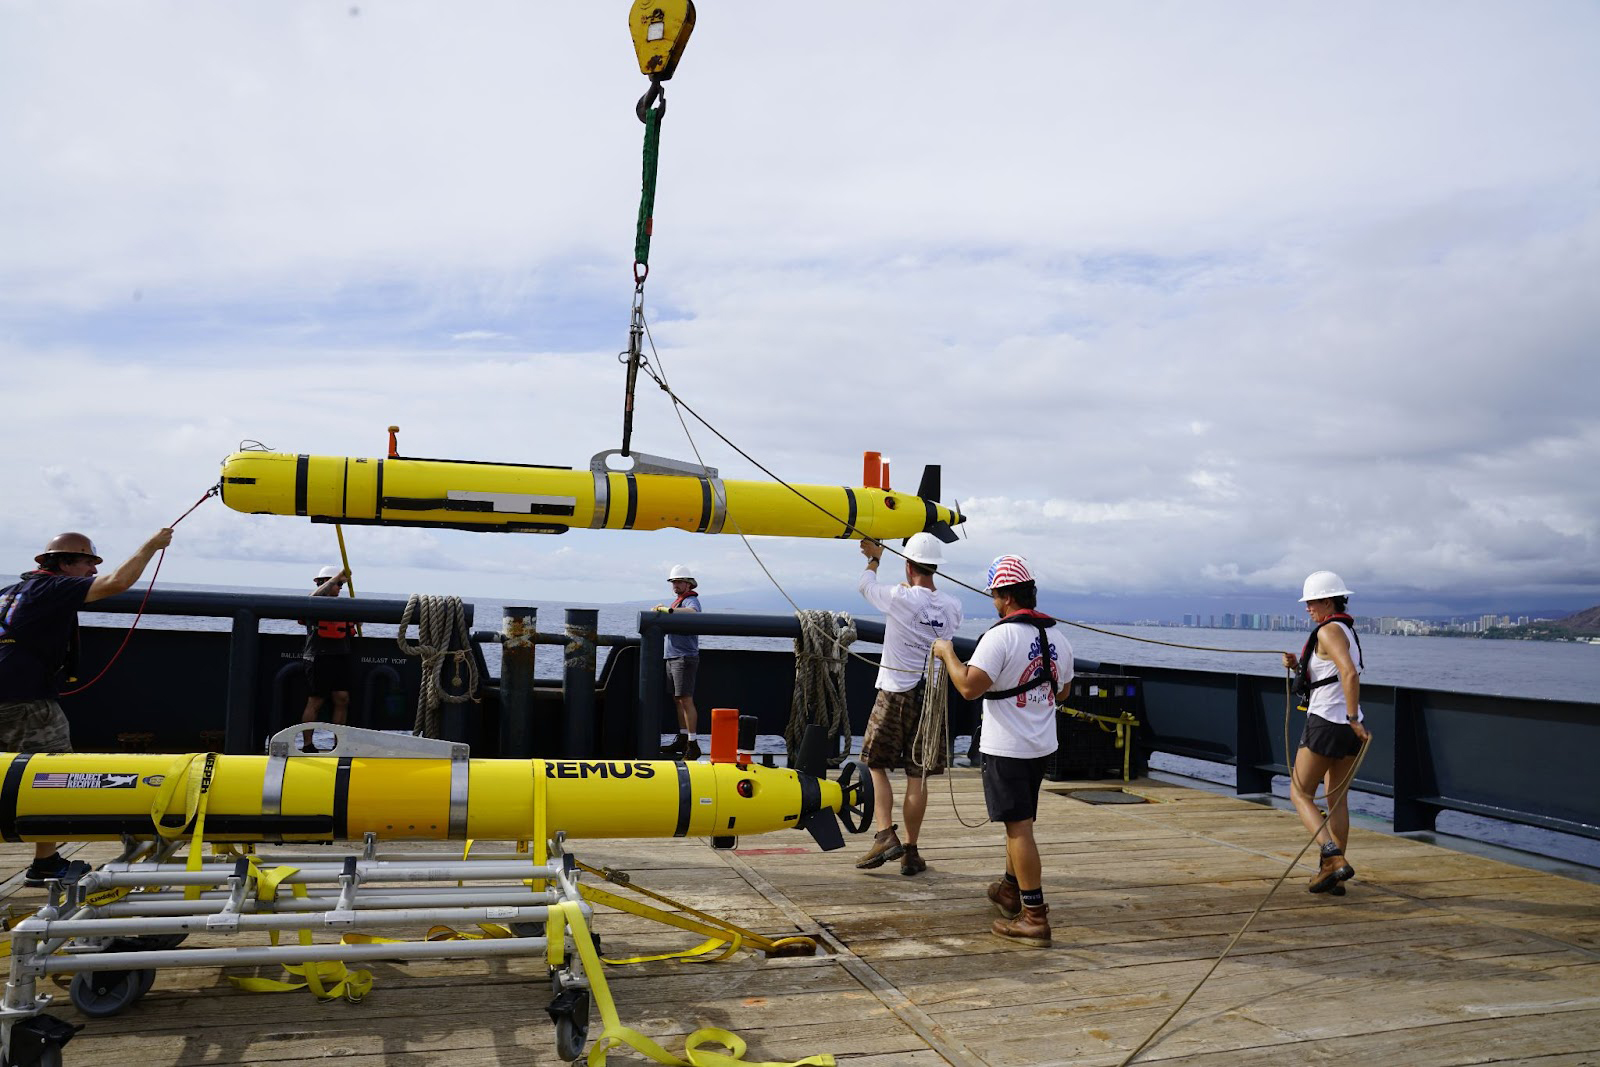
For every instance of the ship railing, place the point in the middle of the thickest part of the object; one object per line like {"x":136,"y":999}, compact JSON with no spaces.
{"x":1520,"y":760}
{"x":1523,"y":760}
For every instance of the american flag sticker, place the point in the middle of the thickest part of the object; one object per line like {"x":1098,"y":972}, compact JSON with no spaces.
{"x":84,"y":780}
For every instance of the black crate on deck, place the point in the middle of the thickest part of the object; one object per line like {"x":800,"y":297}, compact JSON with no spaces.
{"x":1089,"y":747}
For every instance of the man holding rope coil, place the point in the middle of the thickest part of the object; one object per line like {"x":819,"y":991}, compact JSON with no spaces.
{"x":1019,"y":667}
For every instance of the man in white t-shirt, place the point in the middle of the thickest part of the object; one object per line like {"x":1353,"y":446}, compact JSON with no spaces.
{"x":1020,"y":665}
{"x":915,"y":615}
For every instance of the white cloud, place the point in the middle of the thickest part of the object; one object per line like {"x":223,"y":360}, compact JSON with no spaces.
{"x":1190,"y":304}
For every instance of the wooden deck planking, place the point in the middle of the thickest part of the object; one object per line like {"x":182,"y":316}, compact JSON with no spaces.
{"x":1432,"y":958}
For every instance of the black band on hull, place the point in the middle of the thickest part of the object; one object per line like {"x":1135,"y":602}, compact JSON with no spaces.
{"x":850,"y":520}
{"x":302,"y":480}
{"x":341,"y":799}
{"x":685,"y":800}
{"x":8,"y":796}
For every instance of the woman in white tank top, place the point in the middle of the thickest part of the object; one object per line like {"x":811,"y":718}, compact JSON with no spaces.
{"x":1330,"y":669}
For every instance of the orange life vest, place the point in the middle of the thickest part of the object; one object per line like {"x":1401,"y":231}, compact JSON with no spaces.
{"x":333,"y":629}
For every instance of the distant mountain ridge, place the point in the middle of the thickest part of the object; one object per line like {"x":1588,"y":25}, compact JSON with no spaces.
{"x":1587,"y":620}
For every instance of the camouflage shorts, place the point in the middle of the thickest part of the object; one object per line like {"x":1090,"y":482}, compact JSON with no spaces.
{"x":892,"y":731}
{"x":34,"y":726}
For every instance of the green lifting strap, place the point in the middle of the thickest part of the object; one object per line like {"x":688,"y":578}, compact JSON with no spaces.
{"x":647,"y":194}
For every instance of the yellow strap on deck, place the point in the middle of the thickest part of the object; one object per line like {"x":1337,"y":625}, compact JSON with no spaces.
{"x":327,"y":980}
{"x":615,"y":1034}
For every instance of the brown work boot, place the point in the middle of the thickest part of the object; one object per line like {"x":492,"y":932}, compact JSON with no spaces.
{"x":885,"y":846}
{"x":1032,"y":927}
{"x":1006,"y":897}
{"x":1332,"y":871}
{"x":912,"y":862}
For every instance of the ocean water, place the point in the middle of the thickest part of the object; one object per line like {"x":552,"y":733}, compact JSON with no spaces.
{"x":1546,"y":669}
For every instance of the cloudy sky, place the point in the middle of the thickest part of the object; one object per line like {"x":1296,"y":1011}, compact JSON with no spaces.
{"x":1188,"y":299}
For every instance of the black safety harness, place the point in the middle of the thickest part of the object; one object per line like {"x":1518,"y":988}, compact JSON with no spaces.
{"x":1303,"y":685}
{"x":1042,"y":622}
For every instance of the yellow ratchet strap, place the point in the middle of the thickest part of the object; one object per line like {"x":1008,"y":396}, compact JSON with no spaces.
{"x":730,"y":941}
{"x":696,"y":921}
{"x":1121,"y":724}
{"x":196,"y":794}
{"x":328,"y":980}
{"x":494,"y":931}
{"x":615,"y":1034}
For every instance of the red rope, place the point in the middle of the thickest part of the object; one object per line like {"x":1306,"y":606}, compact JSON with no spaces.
{"x":160,"y":558}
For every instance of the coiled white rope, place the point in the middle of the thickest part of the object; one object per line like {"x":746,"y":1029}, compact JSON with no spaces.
{"x":931,"y":745}
{"x":441,"y":635}
{"x":819,"y":659}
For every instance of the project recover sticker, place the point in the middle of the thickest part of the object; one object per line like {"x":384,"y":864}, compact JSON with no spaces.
{"x":84,"y":780}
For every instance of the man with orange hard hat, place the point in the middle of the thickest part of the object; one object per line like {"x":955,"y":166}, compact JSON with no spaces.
{"x":39,"y":650}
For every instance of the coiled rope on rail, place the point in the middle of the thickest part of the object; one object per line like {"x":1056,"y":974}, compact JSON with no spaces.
{"x":441,"y":635}
{"x":819,"y":658}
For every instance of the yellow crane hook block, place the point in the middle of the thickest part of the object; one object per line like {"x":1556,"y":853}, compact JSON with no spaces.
{"x":661,"y":30}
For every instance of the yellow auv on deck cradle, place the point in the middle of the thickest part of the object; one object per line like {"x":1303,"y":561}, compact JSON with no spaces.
{"x":86,"y":796}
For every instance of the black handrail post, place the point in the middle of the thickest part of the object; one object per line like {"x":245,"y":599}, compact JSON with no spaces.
{"x":577,"y":683}
{"x":517,"y":628}
{"x":1248,"y":740}
{"x":1413,"y":776}
{"x":652,"y":689}
{"x":244,"y":655}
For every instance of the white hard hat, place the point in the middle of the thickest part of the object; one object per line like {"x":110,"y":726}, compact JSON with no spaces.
{"x":679,"y":571}
{"x":924,"y":548}
{"x":330,"y":571}
{"x":1320,"y":585}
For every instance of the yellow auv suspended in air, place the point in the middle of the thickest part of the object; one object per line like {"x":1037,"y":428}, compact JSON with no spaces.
{"x":655,"y":494}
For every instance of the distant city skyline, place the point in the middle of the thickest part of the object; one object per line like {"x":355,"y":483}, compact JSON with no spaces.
{"x":1383,"y":624}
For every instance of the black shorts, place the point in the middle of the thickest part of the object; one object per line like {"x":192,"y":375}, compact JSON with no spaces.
{"x":1011,"y":787}
{"x":681,"y":674}
{"x":329,"y":673}
{"x":1336,"y":740}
